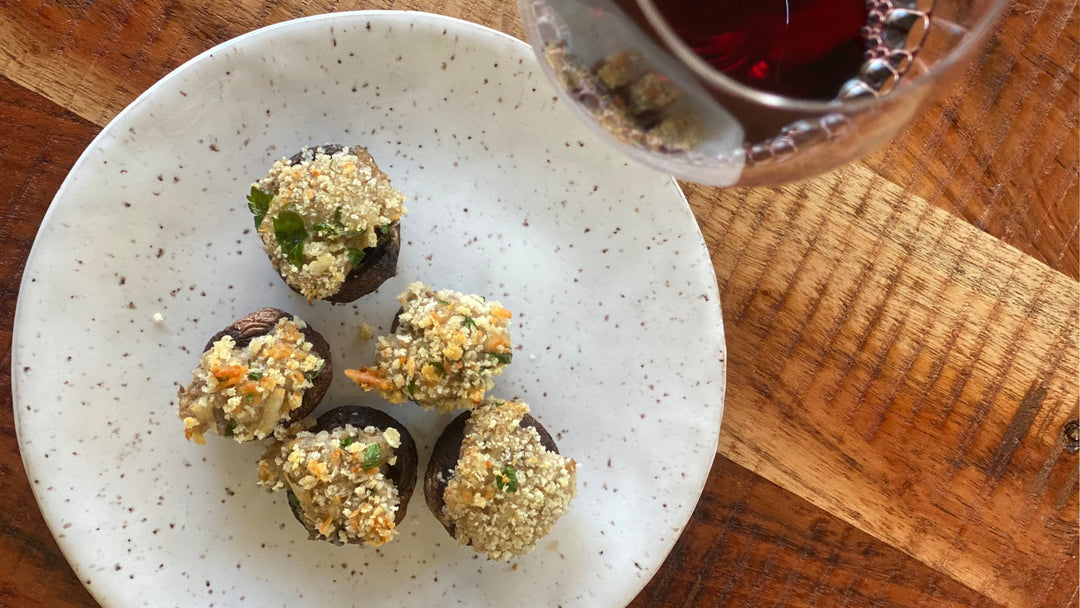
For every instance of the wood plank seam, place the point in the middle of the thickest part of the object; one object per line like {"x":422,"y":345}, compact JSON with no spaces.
{"x":1011,"y":251}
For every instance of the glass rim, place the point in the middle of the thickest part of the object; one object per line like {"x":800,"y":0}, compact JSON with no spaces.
{"x":715,"y":78}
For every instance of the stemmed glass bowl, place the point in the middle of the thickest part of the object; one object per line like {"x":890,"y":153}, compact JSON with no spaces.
{"x":623,"y":69}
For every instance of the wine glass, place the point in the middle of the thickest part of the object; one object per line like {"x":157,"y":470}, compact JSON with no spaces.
{"x":758,"y":92}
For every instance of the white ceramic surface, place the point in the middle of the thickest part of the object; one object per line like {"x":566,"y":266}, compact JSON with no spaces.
{"x":620,"y":352}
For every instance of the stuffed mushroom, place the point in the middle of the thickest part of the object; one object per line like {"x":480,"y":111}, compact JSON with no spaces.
{"x":329,"y":221}
{"x":444,"y":353}
{"x":496,"y":481}
{"x":255,"y":377}
{"x":348,"y":479}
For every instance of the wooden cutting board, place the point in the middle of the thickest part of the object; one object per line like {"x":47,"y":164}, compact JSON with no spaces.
{"x":902,"y":332}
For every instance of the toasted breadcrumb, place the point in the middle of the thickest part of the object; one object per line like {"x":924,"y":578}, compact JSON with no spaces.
{"x":507,"y":490}
{"x":343,"y":199}
{"x":336,"y":479}
{"x":367,"y":332}
{"x":246,"y":393}
{"x":446,"y":351}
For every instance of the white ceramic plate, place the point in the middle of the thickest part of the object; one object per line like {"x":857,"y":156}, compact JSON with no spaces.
{"x":616,"y":313}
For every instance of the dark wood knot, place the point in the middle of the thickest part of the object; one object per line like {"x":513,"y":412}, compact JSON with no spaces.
{"x":1072,"y":436}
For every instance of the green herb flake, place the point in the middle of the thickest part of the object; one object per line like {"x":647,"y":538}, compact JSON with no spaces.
{"x":230,"y":429}
{"x":504,"y":358}
{"x":249,"y":398}
{"x":412,"y":389}
{"x":291,"y":235}
{"x":469,"y":322}
{"x":385,"y":229}
{"x":372,"y":456}
{"x":439,"y":367}
{"x":337,"y":218}
{"x":356,"y":256}
{"x":346,"y":442}
{"x":294,"y":502}
{"x":322,"y":228}
{"x":259,"y":204}
{"x":507,"y":480}
{"x":255,"y":375}
{"x":444,"y":302}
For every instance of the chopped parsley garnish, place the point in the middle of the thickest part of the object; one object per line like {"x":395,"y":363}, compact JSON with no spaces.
{"x":335,"y":228}
{"x":255,"y":375}
{"x":385,"y":229}
{"x":290,"y":234}
{"x":230,"y":429}
{"x":249,"y":398}
{"x":346,"y":442}
{"x":412,"y":389}
{"x":439,"y":367}
{"x":294,"y":502}
{"x":355,"y":256}
{"x":444,"y":302}
{"x":507,"y":480}
{"x":259,"y":204}
{"x":469,"y":322}
{"x":372,"y":456}
{"x":504,"y":358}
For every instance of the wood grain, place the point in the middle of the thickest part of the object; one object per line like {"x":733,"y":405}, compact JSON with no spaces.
{"x":905,"y":372}
{"x":892,"y":361}
{"x":747,"y":541}
{"x":95,"y":58}
{"x":41,"y":142}
{"x":1000,"y":151}
{"x":749,"y":544}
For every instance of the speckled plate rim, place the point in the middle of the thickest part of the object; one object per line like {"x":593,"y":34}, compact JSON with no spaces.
{"x":31,"y":467}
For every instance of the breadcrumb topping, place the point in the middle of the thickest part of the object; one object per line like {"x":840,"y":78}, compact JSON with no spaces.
{"x":246,"y":393}
{"x":507,"y":491}
{"x":343,"y":200}
{"x":336,"y":480}
{"x":446,"y":351}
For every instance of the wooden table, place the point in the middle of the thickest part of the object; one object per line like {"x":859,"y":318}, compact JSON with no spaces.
{"x":902,"y":332}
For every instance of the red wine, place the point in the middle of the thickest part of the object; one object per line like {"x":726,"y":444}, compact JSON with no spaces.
{"x":797,"y":48}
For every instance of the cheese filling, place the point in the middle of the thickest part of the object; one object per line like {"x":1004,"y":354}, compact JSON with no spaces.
{"x":337,"y":481}
{"x":246,"y":393}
